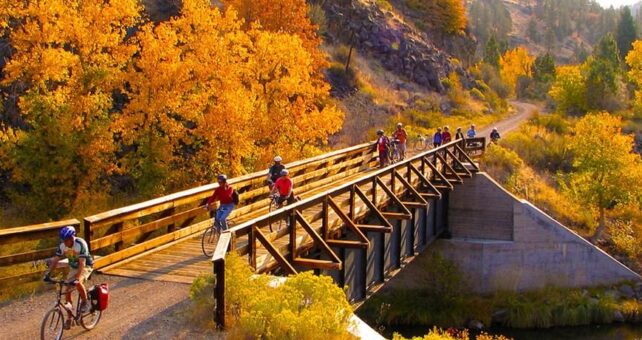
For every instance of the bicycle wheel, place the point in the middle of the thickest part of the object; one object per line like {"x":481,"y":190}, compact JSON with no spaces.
{"x":90,"y":320}
{"x":209,"y":241}
{"x":274,"y":224}
{"x":53,"y":325}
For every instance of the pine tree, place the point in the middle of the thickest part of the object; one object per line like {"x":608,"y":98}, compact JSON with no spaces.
{"x":491,"y":52}
{"x":626,"y":32}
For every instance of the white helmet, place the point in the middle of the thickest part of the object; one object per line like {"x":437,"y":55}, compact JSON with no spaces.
{"x":278,"y":159}
{"x":284,"y":172}
{"x":399,"y":125}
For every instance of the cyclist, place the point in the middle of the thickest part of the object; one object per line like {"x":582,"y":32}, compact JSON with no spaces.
{"x":76,"y":251}
{"x":445,"y":136}
{"x":401,"y":135}
{"x":275,"y":171}
{"x":437,"y":138}
{"x":227,"y":196}
{"x":494,"y":135}
{"x":283,"y":188}
{"x":383,"y":143}
{"x":459,"y":134}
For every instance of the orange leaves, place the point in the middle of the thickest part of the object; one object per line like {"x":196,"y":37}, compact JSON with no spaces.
{"x":169,"y":104}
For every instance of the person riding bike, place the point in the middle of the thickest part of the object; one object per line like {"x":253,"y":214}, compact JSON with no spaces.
{"x":383,"y":143}
{"x":283,"y":188}
{"x":275,"y":171}
{"x":494,"y":135}
{"x":227,"y":196}
{"x":401,"y":135}
{"x":76,"y":251}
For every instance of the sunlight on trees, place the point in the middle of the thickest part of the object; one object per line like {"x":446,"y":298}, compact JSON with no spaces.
{"x":568,"y":90}
{"x":607,"y":171}
{"x":513,"y":64}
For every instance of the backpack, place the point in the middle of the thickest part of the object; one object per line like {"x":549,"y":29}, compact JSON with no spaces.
{"x":235,"y":197}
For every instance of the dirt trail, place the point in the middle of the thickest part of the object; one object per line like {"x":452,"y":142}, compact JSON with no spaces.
{"x":149,"y":309}
{"x":137,"y":309}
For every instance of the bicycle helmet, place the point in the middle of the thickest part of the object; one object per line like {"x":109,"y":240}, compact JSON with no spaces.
{"x":284,"y":172}
{"x":380,"y":132}
{"x":399,"y":125}
{"x":222,"y":178}
{"x":67,"y":232}
{"x":278,"y":159}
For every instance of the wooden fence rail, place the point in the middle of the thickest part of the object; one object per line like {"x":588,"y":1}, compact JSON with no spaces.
{"x":21,"y":246}
{"x":321,"y":220}
{"x":122,"y":233}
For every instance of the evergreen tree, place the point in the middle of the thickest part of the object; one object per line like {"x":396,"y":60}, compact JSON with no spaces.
{"x":626,"y":32}
{"x":544,"y":68}
{"x":602,"y":72}
{"x":491,"y":52}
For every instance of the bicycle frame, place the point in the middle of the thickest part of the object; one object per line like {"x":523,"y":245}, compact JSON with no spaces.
{"x":70,"y":289}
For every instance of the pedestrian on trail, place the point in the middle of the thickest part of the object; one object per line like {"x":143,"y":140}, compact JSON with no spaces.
{"x":383,"y":143}
{"x":471,"y":132}
{"x":228,"y":197}
{"x":401,"y":135}
{"x":445,"y":136}
{"x":437,"y":138}
{"x":459,"y":134}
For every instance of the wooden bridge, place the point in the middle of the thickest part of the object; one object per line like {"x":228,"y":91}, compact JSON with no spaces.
{"x":355,"y":222}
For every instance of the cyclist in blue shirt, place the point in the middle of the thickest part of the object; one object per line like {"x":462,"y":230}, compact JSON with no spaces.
{"x":76,"y":251}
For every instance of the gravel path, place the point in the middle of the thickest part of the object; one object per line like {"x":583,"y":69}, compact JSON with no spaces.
{"x":137,"y":309}
{"x":148,"y":309}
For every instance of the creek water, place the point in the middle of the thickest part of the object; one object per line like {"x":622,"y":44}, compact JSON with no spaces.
{"x":594,"y":332}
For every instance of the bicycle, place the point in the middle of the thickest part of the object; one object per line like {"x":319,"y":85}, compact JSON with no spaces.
{"x":275,"y":205}
{"x":421,"y":143}
{"x":394,"y":155}
{"x":62,"y":316}
{"x":210,"y":237}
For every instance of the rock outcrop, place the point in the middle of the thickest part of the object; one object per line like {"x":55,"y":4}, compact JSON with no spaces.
{"x":387,"y":38}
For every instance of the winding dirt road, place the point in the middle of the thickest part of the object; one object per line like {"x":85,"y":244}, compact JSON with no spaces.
{"x":149,"y":309}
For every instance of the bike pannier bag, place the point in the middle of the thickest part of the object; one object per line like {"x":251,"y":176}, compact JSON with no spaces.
{"x":103,"y":296}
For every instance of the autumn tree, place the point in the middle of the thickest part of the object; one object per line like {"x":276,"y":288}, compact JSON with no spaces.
{"x":208,"y":96}
{"x":568,"y":90}
{"x":634,"y":61}
{"x":284,"y":16}
{"x":68,"y":59}
{"x":544,"y":68}
{"x":514,"y":64}
{"x":445,"y":16}
{"x":607,"y":171}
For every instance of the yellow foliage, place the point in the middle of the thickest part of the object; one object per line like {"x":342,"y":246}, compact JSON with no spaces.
{"x":634,"y":60}
{"x":448,"y":16}
{"x":513,"y":64}
{"x":303,"y":307}
{"x":568,"y":89}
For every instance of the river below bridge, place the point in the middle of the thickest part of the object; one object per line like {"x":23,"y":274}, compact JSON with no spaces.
{"x":593,"y":332}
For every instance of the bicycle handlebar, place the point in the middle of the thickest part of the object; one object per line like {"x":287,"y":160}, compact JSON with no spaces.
{"x":62,"y":282}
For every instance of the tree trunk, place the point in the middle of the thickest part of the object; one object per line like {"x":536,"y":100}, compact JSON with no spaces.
{"x":600,"y":228}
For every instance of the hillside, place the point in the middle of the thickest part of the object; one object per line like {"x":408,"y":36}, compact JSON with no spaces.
{"x":567,"y":28}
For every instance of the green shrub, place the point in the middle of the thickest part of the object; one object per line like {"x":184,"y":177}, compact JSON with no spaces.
{"x":476,"y":93}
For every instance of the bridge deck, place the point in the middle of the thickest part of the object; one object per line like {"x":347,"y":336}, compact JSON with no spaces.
{"x":182,"y":261}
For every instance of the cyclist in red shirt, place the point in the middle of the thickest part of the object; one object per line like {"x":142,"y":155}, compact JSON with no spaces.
{"x":401,"y":135}
{"x":283,"y":188}
{"x":228,"y":198}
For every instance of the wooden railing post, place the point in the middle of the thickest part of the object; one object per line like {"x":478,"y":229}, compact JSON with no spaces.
{"x":87,"y":233}
{"x":219,"y":293}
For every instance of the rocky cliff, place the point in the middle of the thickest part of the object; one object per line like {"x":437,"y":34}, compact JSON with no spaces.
{"x":385,"y":36}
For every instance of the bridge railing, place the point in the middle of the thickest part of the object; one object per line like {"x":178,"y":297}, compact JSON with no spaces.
{"x":23,"y":249}
{"x":421,"y":178}
{"x":122,"y":233}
